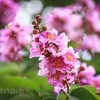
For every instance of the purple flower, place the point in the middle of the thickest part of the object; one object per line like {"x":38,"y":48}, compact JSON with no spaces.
{"x":8,"y":9}
{"x":48,"y":42}
{"x":87,"y":3}
{"x":87,"y":76}
{"x":12,"y":41}
{"x":93,"y":19}
{"x":96,"y":82}
{"x":59,"y":73}
{"x":58,"y":62}
{"x":66,"y":19}
{"x":91,"y":42}
{"x":61,"y":66}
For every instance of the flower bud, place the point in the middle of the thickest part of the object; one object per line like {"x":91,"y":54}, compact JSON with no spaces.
{"x":33,"y":22}
{"x":44,"y":28}
{"x":35,"y":31}
{"x":37,"y":17}
{"x":81,"y":68}
{"x":35,"y":26}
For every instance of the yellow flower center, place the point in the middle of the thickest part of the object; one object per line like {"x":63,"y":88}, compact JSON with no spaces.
{"x":70,"y":57}
{"x":51,"y":37}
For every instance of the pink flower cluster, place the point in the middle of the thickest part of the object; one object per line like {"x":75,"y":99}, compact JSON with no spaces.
{"x":12,"y":41}
{"x":87,"y":77}
{"x":8,"y":9}
{"x":76,"y":20}
{"x":57,"y":61}
{"x":66,"y":19}
{"x":92,"y":43}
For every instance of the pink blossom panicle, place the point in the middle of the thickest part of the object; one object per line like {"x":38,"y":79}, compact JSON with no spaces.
{"x":58,"y":61}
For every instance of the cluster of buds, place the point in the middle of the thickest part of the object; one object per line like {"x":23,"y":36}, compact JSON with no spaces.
{"x":58,"y":62}
{"x":36,"y":25}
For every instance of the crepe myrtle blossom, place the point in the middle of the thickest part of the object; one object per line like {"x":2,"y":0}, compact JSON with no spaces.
{"x":64,"y":20}
{"x":58,"y":62}
{"x":76,"y":19}
{"x":59,"y":72}
{"x":13,"y":39}
{"x":8,"y":10}
{"x":86,"y":77}
{"x":91,"y":42}
{"x":93,"y":20}
{"x":87,"y":3}
{"x":64,"y":17}
{"x":40,"y":42}
{"x":48,"y":41}
{"x":96,"y":82}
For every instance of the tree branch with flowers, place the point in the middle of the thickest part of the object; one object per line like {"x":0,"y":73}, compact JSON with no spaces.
{"x":60,"y":48}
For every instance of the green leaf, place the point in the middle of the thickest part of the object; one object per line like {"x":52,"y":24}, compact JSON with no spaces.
{"x":9,"y":70}
{"x":93,"y":90}
{"x":73,"y":86}
{"x":90,"y":88}
{"x":65,"y":96}
{"x":33,"y":75}
{"x":85,"y":93}
{"x":14,"y":82}
{"x":50,"y":98}
{"x":21,"y":97}
{"x":61,"y":96}
{"x":41,"y":81}
{"x":71,"y":97}
{"x":47,"y":87}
